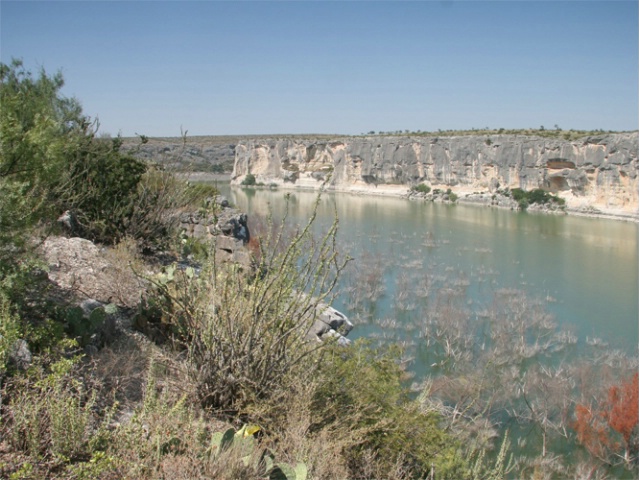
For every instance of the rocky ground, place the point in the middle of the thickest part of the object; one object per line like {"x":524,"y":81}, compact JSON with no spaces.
{"x":94,"y":276}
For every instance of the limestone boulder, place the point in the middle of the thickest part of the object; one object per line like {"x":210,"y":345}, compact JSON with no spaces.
{"x":330,"y":323}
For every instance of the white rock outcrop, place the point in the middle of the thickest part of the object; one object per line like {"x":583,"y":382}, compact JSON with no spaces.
{"x":593,"y":174}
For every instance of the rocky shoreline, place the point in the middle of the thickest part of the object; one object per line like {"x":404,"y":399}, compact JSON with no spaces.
{"x":479,"y":199}
{"x":483,"y":199}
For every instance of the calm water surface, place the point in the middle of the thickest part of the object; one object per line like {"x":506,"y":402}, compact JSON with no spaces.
{"x":586,"y":269}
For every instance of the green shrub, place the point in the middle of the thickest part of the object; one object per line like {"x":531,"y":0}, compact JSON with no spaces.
{"x":101,"y":188}
{"x":52,"y":414}
{"x":35,"y":122}
{"x":538,"y":196}
{"x":10,"y":332}
{"x":51,"y":161}
{"x":451,"y":195}
{"x":249,"y":180}
{"x":260,"y":459}
{"x":421,"y":188}
{"x":361,"y":389}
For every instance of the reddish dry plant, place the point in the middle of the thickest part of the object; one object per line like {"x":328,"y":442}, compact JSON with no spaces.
{"x":623,"y":408}
{"x":254,"y":246}
{"x":591,"y":430}
{"x":620,"y":413}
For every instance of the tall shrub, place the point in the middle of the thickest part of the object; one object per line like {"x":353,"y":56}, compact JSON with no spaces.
{"x":51,"y":161}
{"x":36,"y":123}
{"x":244,"y":331}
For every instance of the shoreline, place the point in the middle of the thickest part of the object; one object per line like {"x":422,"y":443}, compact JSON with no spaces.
{"x":404,"y":192}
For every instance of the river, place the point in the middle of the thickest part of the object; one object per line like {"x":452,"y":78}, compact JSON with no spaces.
{"x":585,"y":270}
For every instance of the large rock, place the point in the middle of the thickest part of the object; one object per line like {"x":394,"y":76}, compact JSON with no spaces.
{"x":79,"y":266}
{"x":234,"y":224}
{"x":330,"y":323}
{"x":227,"y":228}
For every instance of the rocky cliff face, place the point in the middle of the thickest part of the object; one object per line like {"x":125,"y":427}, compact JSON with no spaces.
{"x":596,"y":173}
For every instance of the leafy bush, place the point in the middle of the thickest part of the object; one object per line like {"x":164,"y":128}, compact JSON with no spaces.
{"x":51,"y":161}
{"x":369,"y":381}
{"x":10,"y":329}
{"x":160,"y":196}
{"x":538,"y":195}
{"x":421,"y":188}
{"x":260,"y":459}
{"x":101,"y":188}
{"x":451,"y":195}
{"x":356,"y":411}
{"x":249,"y":180}
{"x":34,"y":125}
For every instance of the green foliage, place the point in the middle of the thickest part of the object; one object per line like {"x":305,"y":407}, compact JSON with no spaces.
{"x":538,"y":196}
{"x":153,"y":221}
{"x":82,"y":327}
{"x":101,"y":189}
{"x":36,"y":124}
{"x":24,"y":472}
{"x":537,"y":132}
{"x":252,"y":454}
{"x":24,"y":314}
{"x":100,"y":464}
{"x":10,"y":331}
{"x":451,"y":196}
{"x":200,"y":194}
{"x":421,"y":188}
{"x":249,"y":180}
{"x":368,"y":382}
{"x":52,"y":162}
{"x":51,"y":413}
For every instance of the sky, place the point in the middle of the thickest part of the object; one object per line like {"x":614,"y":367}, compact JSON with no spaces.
{"x":229,"y":68}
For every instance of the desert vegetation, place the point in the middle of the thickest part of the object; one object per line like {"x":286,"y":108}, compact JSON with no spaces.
{"x":198,"y":368}
{"x":536,"y":196}
{"x":541,"y":131}
{"x":218,"y":380}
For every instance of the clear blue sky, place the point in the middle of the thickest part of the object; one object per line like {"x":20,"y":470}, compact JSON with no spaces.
{"x":216,"y":68}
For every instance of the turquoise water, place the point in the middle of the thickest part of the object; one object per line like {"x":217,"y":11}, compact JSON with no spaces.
{"x":585,"y":270}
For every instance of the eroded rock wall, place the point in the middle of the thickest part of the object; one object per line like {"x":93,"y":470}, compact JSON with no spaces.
{"x":596,"y":172}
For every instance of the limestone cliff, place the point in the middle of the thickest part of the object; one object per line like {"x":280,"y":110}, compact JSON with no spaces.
{"x":595,"y":173}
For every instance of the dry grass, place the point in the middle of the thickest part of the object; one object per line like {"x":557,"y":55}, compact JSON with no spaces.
{"x":123,"y":368}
